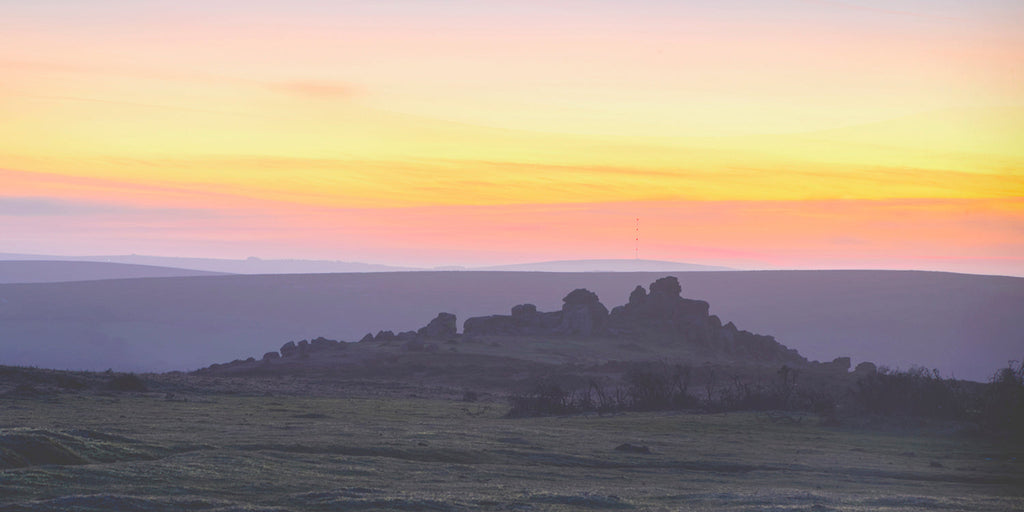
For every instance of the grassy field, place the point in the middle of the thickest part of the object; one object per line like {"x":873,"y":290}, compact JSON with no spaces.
{"x":214,"y":451}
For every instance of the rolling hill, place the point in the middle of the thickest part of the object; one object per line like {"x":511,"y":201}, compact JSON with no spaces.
{"x":620,"y":265}
{"x":62,"y":271}
{"x":250,"y":265}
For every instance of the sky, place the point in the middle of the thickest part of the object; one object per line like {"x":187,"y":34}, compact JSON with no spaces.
{"x":753,"y":134}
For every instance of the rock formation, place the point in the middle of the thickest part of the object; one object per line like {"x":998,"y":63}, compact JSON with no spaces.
{"x":441,"y":327}
{"x":322,"y":343}
{"x":289,"y":349}
{"x":659,"y":314}
{"x":866,"y":368}
{"x":524,"y":320}
{"x":582,"y":313}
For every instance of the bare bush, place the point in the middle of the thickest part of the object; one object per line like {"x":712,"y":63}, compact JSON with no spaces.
{"x":1002,"y":407}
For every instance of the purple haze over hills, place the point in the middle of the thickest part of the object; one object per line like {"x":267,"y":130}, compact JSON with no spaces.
{"x":965,"y":325}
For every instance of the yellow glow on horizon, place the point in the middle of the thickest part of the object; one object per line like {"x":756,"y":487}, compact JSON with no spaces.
{"x":324,"y":107}
{"x":361,"y":157}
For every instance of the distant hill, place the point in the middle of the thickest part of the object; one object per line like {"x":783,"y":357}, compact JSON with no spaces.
{"x":228,"y":266}
{"x":291,"y":266}
{"x":968,"y":325}
{"x":606,"y":266}
{"x":63,"y":271}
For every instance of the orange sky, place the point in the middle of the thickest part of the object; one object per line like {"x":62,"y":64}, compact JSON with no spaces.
{"x":772,"y":134}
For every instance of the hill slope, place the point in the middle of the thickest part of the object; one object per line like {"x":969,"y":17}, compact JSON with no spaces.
{"x":605,"y":266}
{"x":250,"y":265}
{"x":63,"y":271}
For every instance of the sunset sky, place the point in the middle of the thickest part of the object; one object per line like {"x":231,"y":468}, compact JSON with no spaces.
{"x":756,"y":134}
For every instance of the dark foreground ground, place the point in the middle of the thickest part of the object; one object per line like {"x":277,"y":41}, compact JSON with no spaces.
{"x":403,"y":449}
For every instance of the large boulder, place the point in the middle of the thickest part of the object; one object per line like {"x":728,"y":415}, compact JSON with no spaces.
{"x":322,"y":343}
{"x":525,"y":320}
{"x":582,"y":313}
{"x":289,"y":349}
{"x":385,"y":336}
{"x":663,"y":314}
{"x":665,"y":289}
{"x":488,"y":325}
{"x":865,"y":368}
{"x":839,"y":364}
{"x":443,"y":326}
{"x":638,"y":297}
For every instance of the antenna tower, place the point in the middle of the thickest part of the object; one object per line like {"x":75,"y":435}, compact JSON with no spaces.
{"x":636,"y":248}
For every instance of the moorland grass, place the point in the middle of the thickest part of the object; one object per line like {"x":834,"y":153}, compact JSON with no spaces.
{"x":146,"y":451}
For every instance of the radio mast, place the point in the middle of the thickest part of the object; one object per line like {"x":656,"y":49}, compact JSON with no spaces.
{"x":636,"y":248}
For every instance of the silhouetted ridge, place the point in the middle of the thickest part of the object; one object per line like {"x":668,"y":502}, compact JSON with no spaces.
{"x":658,"y":315}
{"x":654,"y":317}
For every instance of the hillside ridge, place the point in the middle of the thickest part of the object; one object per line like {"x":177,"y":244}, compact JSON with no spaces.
{"x":656,"y":323}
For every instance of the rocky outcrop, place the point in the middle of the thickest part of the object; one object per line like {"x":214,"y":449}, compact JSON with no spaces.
{"x":662,"y":313}
{"x":289,"y":349}
{"x":441,"y":327}
{"x":524,"y":320}
{"x":839,"y":365}
{"x":323,"y":343}
{"x":659,"y":314}
{"x":582,"y":313}
{"x":657,"y":317}
{"x":865,"y":368}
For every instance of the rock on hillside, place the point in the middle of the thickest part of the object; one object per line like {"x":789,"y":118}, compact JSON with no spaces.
{"x":658,"y":318}
{"x":660,"y":314}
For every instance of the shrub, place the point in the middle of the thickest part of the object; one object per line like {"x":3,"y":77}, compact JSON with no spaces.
{"x":1002,"y":404}
{"x":544,"y":397}
{"x":917,"y":392}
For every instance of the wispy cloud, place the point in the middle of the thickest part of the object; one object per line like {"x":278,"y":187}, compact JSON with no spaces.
{"x":61,"y":207}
